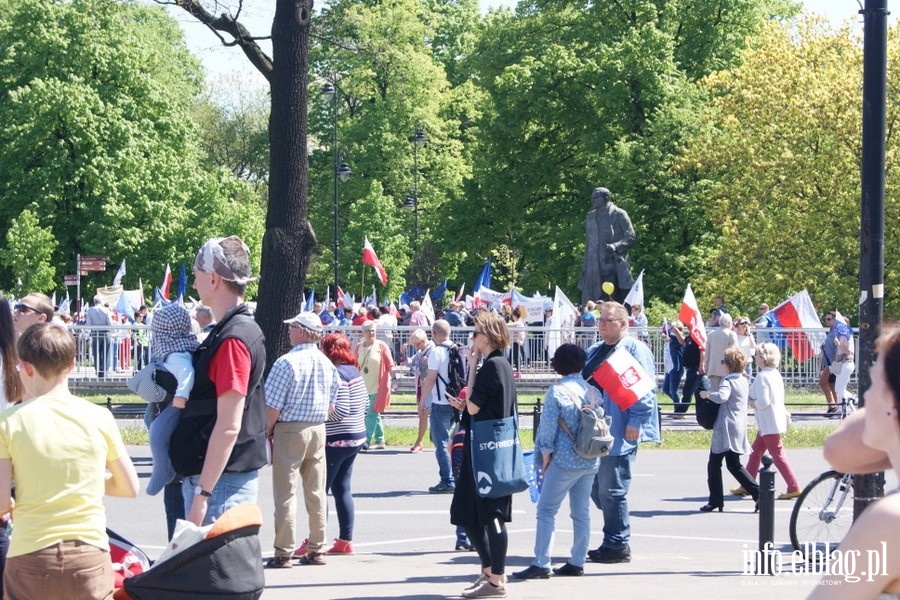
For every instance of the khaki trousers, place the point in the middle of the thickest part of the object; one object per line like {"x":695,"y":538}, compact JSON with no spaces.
{"x":299,"y":448}
{"x":72,"y":570}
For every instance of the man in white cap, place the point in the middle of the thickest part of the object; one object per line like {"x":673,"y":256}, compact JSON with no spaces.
{"x":300,"y":391}
{"x":219,"y":444}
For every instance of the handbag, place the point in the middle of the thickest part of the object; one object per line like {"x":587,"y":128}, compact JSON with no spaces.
{"x":153,"y":383}
{"x":707,"y":410}
{"x":497,"y":461}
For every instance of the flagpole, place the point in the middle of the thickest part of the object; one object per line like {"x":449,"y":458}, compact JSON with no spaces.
{"x":362,"y":282}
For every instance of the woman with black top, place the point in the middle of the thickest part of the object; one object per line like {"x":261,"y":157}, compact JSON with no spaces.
{"x":491,"y":394}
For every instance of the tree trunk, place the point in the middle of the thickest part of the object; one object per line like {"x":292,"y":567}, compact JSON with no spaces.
{"x":289,"y":239}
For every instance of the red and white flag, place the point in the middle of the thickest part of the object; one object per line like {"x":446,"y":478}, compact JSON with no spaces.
{"x":370,"y":258}
{"x":167,"y":283}
{"x":690,"y":316}
{"x":623,"y":378}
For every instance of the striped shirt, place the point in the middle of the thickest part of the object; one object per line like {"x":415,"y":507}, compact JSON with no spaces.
{"x":347,"y":424}
{"x":302,"y":385}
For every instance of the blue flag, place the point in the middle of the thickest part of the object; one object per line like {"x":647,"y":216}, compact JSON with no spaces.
{"x":439,"y":292}
{"x":310,"y":301}
{"x":484,"y":278}
{"x":182,"y":282}
{"x":123,"y":307}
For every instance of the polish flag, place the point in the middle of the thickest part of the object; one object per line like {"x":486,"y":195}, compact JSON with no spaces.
{"x":623,"y":379}
{"x":370,"y":258}
{"x":341,"y":297}
{"x":799,"y":312}
{"x":167,"y":283}
{"x":690,"y":316}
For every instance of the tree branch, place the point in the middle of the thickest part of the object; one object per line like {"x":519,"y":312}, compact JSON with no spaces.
{"x":228,"y":24}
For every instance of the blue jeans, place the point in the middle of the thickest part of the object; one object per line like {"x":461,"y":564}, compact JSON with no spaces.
{"x":671,"y":382}
{"x":231,"y":489}
{"x":609,"y":494}
{"x":441,"y":422}
{"x":557,"y":483}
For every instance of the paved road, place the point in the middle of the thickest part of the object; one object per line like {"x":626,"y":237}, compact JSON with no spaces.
{"x":404,"y":541}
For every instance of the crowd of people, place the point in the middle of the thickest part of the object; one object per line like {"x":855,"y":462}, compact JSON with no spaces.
{"x":320,"y":405}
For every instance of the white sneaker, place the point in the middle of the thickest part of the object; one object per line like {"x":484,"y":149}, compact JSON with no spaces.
{"x":486,"y":590}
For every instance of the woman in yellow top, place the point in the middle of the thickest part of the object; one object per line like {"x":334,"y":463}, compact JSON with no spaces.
{"x":60,"y":447}
{"x":375,"y":363}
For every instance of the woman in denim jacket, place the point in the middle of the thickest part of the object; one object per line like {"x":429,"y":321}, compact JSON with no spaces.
{"x":564,"y":471}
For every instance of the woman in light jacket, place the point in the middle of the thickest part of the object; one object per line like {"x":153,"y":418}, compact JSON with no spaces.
{"x":564,"y":471}
{"x":767,"y":398}
{"x":375,"y":363}
{"x":729,"y":438}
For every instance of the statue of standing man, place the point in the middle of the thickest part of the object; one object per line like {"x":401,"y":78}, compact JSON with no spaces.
{"x":608,"y":236}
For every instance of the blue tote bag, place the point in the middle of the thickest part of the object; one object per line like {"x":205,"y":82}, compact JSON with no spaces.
{"x":497,"y":460}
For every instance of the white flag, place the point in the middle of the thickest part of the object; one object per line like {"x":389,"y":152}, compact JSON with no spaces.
{"x":427,"y":307}
{"x":119,"y":274}
{"x":561,"y":327}
{"x":636,"y":293}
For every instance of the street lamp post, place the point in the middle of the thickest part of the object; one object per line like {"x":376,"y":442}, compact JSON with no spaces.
{"x":340,"y":171}
{"x":412,"y":203}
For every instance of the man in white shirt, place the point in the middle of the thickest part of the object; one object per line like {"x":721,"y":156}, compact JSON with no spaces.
{"x":442,"y":414}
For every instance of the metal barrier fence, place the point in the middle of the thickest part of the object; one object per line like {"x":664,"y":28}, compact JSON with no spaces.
{"x":111,"y":354}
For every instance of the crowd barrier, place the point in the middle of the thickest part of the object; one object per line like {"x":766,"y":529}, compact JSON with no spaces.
{"x":128,"y":348}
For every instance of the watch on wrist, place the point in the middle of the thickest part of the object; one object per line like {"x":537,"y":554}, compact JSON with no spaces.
{"x":199,"y":491}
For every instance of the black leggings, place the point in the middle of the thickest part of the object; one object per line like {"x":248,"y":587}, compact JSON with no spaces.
{"x":491,"y":543}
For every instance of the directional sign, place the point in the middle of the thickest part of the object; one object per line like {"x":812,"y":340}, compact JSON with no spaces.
{"x":93,"y":265}
{"x":70,"y":279}
{"x":85,"y":257}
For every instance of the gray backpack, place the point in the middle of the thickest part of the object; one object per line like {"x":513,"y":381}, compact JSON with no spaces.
{"x":592,"y":440}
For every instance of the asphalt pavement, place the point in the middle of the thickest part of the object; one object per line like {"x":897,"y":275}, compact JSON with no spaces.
{"x":404,"y":541}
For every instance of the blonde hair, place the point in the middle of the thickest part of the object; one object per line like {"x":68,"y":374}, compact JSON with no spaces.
{"x":770,"y":354}
{"x":734,"y":360}
{"x":494,"y":328}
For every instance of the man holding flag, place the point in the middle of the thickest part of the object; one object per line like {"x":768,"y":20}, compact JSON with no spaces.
{"x":623,"y":368}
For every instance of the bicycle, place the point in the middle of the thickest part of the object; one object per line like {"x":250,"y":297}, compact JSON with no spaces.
{"x":822,"y":516}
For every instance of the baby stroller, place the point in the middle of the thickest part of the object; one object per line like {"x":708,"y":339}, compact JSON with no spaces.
{"x":225,"y":564}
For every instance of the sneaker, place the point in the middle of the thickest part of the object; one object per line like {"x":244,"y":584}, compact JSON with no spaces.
{"x":442,"y":488}
{"x":739,"y":491}
{"x":481,"y":579}
{"x":378,"y":446}
{"x":341,"y":547}
{"x":301,"y":550}
{"x":533,"y":572}
{"x":568,"y":570}
{"x":789,"y":495}
{"x":610,"y":555}
{"x":486,"y":590}
{"x":312,"y":558}
{"x":416,"y":448}
{"x":464,"y":545}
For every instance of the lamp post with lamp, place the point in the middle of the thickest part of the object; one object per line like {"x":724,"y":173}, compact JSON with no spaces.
{"x":412,"y":202}
{"x":340,"y":172}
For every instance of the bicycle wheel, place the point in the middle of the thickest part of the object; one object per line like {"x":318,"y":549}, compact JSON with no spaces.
{"x":823,"y":513}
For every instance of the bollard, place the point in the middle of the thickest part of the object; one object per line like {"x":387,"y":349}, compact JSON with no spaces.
{"x":536,"y":419}
{"x":109,"y":403}
{"x":766,"y":555}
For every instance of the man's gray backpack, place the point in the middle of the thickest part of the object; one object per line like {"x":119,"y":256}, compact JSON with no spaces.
{"x":592,"y":440}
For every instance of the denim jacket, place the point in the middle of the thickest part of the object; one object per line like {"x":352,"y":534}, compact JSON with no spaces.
{"x":551,"y":439}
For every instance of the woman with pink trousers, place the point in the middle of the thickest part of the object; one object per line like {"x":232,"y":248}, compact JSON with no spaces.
{"x":767,"y":399}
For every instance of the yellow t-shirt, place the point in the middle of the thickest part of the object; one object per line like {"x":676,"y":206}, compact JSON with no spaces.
{"x":59,"y":447}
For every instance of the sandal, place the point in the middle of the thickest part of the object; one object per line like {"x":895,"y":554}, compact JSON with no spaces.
{"x":278,"y":562}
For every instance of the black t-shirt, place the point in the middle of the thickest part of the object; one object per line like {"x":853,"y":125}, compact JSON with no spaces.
{"x":691,"y":356}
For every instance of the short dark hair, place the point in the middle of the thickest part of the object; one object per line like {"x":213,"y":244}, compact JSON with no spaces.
{"x":238,"y":261}
{"x":568,"y":359}
{"x":49,"y":347}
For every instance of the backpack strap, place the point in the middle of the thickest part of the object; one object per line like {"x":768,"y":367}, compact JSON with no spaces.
{"x":560,"y":420}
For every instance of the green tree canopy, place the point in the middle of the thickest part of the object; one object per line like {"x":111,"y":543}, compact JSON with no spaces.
{"x":29,"y":248}
{"x":98,"y":140}
{"x":779,"y":168}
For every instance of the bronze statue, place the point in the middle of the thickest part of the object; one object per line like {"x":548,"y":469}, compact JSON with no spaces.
{"x":608,"y":236}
